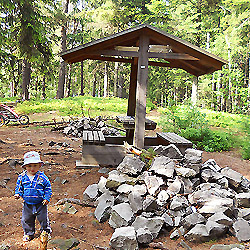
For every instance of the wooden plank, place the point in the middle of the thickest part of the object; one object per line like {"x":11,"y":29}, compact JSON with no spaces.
{"x":173,"y":138}
{"x":85,"y":136}
{"x":142,"y":77}
{"x":95,"y":137}
{"x":90,"y":136}
{"x":101,"y":136}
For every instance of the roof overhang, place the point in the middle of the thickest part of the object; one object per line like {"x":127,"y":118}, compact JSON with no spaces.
{"x":165,"y":50}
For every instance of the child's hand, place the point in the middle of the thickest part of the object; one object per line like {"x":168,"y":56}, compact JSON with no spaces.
{"x":45,"y":202}
{"x":16,"y":196}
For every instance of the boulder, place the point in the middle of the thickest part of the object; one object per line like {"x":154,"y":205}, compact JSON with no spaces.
{"x":135,"y":201}
{"x":193,"y":219}
{"x":198,"y":233}
{"x":234,"y":178}
{"x":131,"y":166}
{"x":163,"y":166}
{"x":241,"y":229}
{"x":124,"y":238}
{"x":243,"y":200}
{"x":91,"y":193}
{"x":144,"y":236}
{"x":154,"y":225}
{"x":121,"y":215}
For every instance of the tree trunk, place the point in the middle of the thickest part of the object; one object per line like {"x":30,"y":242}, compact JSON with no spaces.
{"x":82,"y":85}
{"x":62,"y":71}
{"x":69,"y":82}
{"x":105,"y":88}
{"x":116,"y":79}
{"x":120,"y":86}
{"x":44,"y":87}
{"x":94,"y":85}
{"x":26,"y":79}
{"x":194,"y":90}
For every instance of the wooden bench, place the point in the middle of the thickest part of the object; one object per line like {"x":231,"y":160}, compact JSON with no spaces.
{"x":96,"y":151}
{"x":128,"y":122}
{"x":172,"y":138}
{"x":90,"y":137}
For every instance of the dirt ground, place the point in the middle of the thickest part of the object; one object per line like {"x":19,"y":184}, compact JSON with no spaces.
{"x":60,"y":162}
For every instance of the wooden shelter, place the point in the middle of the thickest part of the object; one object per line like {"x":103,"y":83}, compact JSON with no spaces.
{"x":142,"y":46}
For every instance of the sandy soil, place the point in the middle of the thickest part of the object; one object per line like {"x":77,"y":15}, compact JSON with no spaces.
{"x":60,"y":162}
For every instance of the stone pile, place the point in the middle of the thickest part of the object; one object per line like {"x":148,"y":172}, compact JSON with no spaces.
{"x":76,"y":127}
{"x":176,"y":193}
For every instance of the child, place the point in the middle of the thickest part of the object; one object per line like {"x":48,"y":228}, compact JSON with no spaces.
{"x":35,"y":189}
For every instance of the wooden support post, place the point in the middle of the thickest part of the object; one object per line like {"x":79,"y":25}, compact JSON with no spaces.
{"x":142,"y":77}
{"x":132,"y":97}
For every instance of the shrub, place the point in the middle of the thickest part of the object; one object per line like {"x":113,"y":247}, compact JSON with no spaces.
{"x":246,"y":149}
{"x":208,"y":140}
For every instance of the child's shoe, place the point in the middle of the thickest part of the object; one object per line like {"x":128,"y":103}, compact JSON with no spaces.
{"x":44,"y":238}
{"x":27,"y":238}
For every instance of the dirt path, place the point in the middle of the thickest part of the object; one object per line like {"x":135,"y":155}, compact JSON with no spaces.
{"x":68,"y":182}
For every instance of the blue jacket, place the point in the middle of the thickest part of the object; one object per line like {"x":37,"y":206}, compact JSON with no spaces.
{"x":36,"y":191}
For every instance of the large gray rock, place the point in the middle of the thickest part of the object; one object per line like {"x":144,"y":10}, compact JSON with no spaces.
{"x":215,"y":229}
{"x":185,"y":172}
{"x":221,"y":218}
{"x":153,"y":184}
{"x":234,"y":178}
{"x":193,"y":219}
{"x":199,"y":233}
{"x":211,"y":164}
{"x":139,"y":189}
{"x":102,"y":184}
{"x":154,"y":225}
{"x":178,"y":233}
{"x":135,"y":201}
{"x":175,"y":186}
{"x":116,"y":178}
{"x":242,"y":213}
{"x":121,"y":215}
{"x":91,"y":193}
{"x":124,"y":238}
{"x":162,"y":198}
{"x":131,"y":166}
{"x":209,"y":175}
{"x":104,"y":204}
{"x":144,"y":236}
{"x":149,"y":204}
{"x":170,"y":151}
{"x":193,"y":156}
{"x":243,"y":199}
{"x":227,"y":247}
{"x":242,"y":230}
{"x":168,"y":220}
{"x":163,"y":165}
{"x":178,"y":203}
{"x":125,"y":189}
{"x":216,"y":204}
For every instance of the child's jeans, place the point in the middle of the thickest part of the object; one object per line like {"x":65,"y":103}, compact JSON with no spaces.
{"x":30,"y":213}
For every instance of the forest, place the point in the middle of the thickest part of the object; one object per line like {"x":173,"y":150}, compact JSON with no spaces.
{"x":33,"y":33}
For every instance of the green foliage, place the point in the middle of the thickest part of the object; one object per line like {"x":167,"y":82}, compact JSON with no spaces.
{"x":246,"y":148}
{"x":180,"y":117}
{"x":207,"y":139}
{"x":75,"y":106}
{"x":147,"y":156}
{"x":245,"y":127}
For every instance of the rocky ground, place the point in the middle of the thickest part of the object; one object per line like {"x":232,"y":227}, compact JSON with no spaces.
{"x":69,"y":182}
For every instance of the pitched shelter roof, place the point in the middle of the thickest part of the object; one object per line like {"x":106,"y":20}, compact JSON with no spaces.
{"x":167,"y":51}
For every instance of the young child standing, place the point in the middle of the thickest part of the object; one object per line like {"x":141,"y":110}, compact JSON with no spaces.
{"x":35,"y":189}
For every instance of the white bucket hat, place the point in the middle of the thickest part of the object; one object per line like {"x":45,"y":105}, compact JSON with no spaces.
{"x":31,"y":157}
